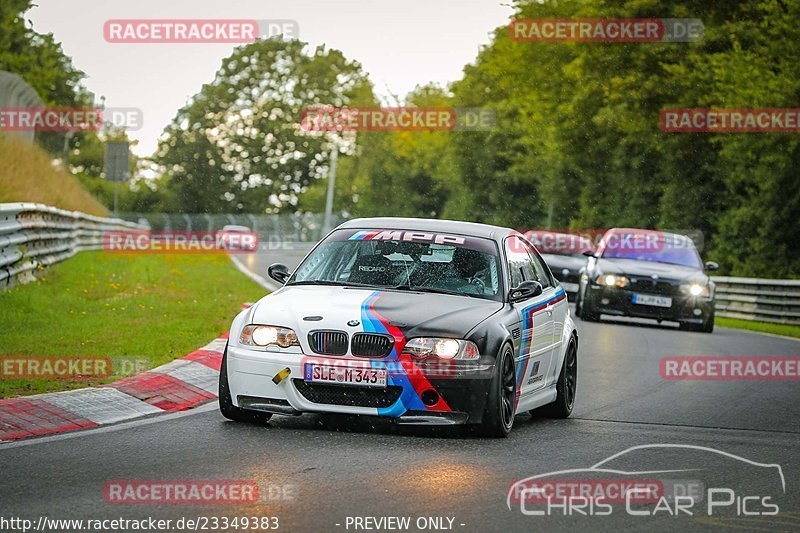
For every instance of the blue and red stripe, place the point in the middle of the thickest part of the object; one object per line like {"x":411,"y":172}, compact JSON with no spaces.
{"x":407,"y":375}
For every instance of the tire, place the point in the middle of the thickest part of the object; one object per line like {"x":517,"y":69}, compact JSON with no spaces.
{"x":588,"y":314}
{"x":566,"y":387}
{"x":498,"y":417}
{"x":706,"y":327}
{"x":226,"y":407}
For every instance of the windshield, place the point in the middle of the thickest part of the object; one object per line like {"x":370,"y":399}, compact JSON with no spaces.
{"x":568,"y":244}
{"x":400,"y":259}
{"x":653,"y":246}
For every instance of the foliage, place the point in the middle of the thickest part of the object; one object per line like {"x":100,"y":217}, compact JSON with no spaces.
{"x":238,"y":145}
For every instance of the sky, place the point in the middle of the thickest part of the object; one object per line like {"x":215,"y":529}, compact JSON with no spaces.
{"x":400,"y":44}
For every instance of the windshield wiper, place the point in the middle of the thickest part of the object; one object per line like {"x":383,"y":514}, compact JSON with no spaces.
{"x":419,"y":288}
{"x":328,"y":282}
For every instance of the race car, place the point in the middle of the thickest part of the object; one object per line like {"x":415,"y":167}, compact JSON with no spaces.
{"x":647,"y":274}
{"x":412,"y":320}
{"x":564,"y":254}
{"x":237,"y":238}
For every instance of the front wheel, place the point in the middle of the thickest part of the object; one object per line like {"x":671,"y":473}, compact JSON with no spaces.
{"x":498,"y":418}
{"x":707,"y":326}
{"x":226,"y":407}
{"x":588,"y":313}
{"x":567,"y":385}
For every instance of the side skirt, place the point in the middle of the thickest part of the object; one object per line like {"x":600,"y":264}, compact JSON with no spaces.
{"x":537,"y":399}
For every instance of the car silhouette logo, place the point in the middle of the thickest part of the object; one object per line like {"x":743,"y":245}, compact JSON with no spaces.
{"x":655,"y":277}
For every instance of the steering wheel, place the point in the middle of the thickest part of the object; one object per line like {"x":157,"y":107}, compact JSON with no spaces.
{"x":478,"y":284}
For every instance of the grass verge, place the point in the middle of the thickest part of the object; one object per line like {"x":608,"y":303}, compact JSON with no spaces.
{"x":763,"y":327}
{"x":27,"y":175}
{"x":146,"y":309}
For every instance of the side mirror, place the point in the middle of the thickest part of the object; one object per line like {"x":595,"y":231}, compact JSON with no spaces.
{"x":587,"y":253}
{"x":525,"y":290}
{"x":711,"y":265}
{"x":279,"y":272}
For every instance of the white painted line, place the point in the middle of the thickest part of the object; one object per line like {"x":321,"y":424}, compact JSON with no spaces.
{"x":165,"y":417}
{"x":270,"y":286}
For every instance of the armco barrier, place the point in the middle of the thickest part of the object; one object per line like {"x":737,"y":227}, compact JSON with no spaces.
{"x":33,"y":236}
{"x":761,"y":300}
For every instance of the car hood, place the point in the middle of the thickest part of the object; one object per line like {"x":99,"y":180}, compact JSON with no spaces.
{"x":557,"y":263}
{"x":632,"y":267}
{"x":312,"y":307}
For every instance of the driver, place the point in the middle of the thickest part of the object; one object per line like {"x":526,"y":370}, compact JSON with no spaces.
{"x":472,"y":267}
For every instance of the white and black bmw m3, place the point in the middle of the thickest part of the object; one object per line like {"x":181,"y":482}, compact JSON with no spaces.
{"x":419,"y":321}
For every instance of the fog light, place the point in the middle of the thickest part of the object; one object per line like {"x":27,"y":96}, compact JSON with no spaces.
{"x":698,"y":312}
{"x":430,"y":397}
{"x":605,"y":301}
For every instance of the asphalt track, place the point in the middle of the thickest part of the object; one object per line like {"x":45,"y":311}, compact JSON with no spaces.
{"x":336,"y":468}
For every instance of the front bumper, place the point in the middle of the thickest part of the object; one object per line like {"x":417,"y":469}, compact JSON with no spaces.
{"x":619,"y":302}
{"x":461,"y":387}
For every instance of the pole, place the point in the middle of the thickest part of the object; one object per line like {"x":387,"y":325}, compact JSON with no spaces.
{"x":65,"y":151}
{"x":326,"y":226}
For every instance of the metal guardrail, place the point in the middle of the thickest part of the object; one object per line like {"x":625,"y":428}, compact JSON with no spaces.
{"x":33,"y":236}
{"x":761,"y":300}
{"x":274,"y":229}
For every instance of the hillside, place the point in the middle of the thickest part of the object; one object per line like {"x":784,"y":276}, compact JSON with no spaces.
{"x":26,"y":175}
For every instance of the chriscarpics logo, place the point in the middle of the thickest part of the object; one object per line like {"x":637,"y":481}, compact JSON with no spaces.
{"x":672,"y":480}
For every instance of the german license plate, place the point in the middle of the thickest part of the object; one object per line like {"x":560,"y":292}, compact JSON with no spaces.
{"x":651,"y":299}
{"x":344,"y":375}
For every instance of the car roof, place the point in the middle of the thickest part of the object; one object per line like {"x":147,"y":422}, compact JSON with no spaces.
{"x":469,"y":229}
{"x":642,"y":230}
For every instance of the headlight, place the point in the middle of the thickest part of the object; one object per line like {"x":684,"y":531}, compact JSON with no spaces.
{"x":443,"y":348}
{"x":696,"y":289}
{"x":256,"y":335}
{"x":613,"y":280}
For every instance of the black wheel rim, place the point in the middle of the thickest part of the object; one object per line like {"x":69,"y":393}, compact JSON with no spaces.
{"x":571,"y":375}
{"x":508,"y":391}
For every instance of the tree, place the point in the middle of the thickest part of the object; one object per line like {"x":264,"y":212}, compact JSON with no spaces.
{"x":238,"y":145}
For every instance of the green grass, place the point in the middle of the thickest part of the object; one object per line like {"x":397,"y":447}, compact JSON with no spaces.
{"x":764,"y":327}
{"x":147,"y":308}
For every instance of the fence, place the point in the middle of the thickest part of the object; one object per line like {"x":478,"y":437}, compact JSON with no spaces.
{"x":762,"y":300}
{"x":33,"y":236}
{"x":295,"y":227}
